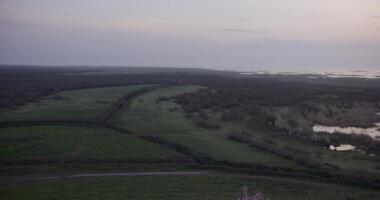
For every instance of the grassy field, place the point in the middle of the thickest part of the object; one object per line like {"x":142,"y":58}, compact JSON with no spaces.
{"x":77,"y":149}
{"x":148,"y":110}
{"x":83,"y":145}
{"x":347,"y":160}
{"x":149,"y":115}
{"x":83,"y":104}
{"x":353,"y":161}
{"x":181,"y":187}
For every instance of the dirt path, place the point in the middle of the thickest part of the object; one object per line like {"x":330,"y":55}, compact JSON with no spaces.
{"x":22,"y":179}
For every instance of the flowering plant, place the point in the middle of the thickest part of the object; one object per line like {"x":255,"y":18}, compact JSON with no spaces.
{"x":245,"y":196}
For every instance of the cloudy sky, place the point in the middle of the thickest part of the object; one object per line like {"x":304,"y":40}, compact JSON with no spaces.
{"x":224,"y":34}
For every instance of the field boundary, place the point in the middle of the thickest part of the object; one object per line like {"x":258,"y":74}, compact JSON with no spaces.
{"x":22,"y":179}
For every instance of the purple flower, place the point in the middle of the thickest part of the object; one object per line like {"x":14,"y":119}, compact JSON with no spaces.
{"x":258,"y":196}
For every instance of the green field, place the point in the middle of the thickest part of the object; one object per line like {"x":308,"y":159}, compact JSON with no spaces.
{"x":83,"y":104}
{"x":84,"y":145}
{"x":148,"y":115}
{"x":181,"y":187}
{"x":71,"y":149}
{"x":145,"y":113}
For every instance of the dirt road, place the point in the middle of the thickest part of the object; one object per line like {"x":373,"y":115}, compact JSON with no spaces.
{"x":21,"y":179}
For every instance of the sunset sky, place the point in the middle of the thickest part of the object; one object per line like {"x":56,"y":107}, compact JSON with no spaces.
{"x":219,"y":34}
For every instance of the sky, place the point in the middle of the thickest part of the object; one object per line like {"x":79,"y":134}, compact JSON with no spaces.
{"x":286,"y":35}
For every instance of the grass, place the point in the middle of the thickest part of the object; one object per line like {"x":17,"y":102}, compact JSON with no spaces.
{"x":181,"y":188}
{"x":353,"y":160}
{"x":58,"y":144}
{"x":347,"y":160}
{"x":67,"y":149}
{"x":83,"y":104}
{"x":149,"y":116}
{"x":146,"y":109}
{"x":95,"y":167}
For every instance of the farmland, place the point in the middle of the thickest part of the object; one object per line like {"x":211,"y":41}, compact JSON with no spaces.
{"x":217,"y":124}
{"x":181,"y":187}
{"x":83,"y":104}
{"x":27,"y":148}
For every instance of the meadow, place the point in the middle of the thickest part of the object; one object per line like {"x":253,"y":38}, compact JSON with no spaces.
{"x":170,"y":125}
{"x":40,"y":146}
{"x":166,"y":119}
{"x":82,"y":104}
{"x":182,"y":187}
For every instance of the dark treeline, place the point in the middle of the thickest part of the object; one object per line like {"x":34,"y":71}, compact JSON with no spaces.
{"x":253,"y":102}
{"x":19,"y":85}
{"x":272,"y":92}
{"x":239,"y":100}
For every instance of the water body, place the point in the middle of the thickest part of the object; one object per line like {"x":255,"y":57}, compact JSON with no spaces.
{"x":366,"y":74}
{"x":373,"y":132}
{"x":342,"y":147}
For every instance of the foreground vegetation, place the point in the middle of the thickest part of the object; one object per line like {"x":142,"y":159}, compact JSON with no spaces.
{"x":28,"y":148}
{"x":181,"y":187}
